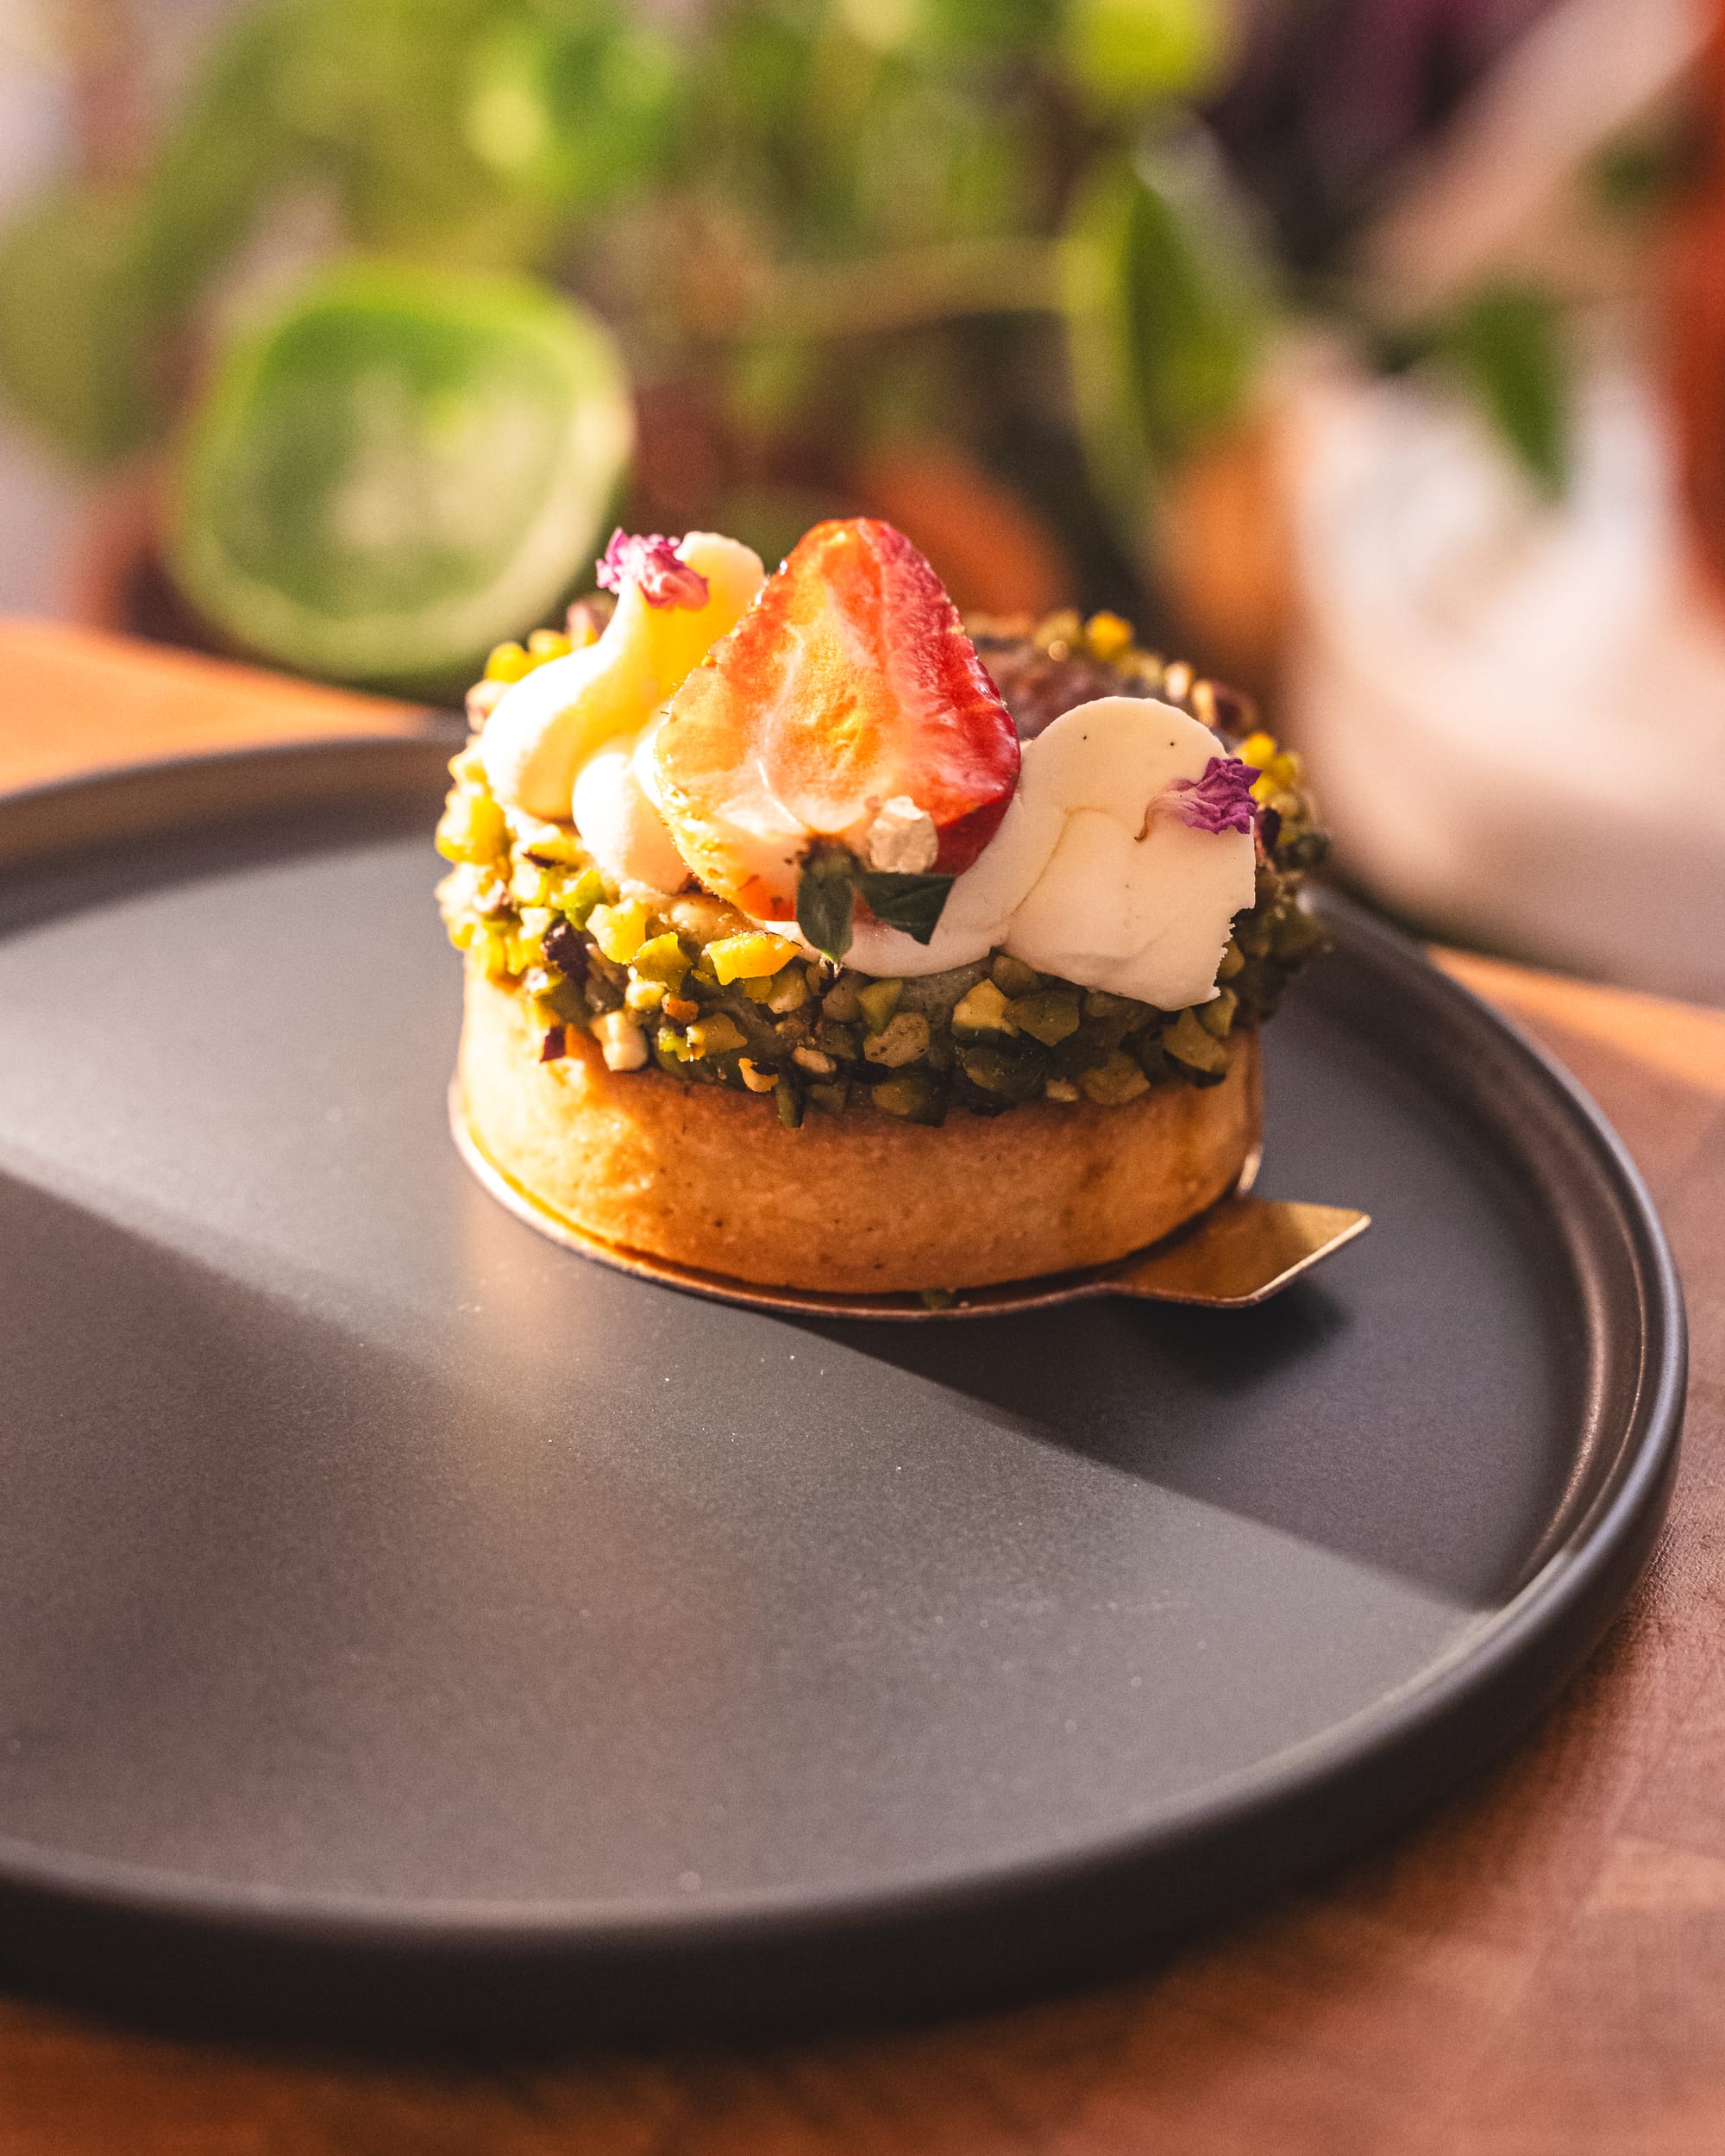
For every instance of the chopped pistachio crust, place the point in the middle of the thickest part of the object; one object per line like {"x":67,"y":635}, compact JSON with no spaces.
{"x":692,"y":986}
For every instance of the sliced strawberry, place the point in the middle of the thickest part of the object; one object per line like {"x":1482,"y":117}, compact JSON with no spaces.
{"x":849,"y":683}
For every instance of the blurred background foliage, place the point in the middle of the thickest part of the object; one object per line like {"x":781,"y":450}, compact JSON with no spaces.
{"x":996,"y":269}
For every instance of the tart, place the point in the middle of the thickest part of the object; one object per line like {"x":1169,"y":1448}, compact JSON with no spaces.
{"x":816,"y":939}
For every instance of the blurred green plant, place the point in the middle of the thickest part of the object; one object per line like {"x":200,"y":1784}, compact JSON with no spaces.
{"x":808,"y":223}
{"x":1167,"y":306}
{"x":1508,"y":338}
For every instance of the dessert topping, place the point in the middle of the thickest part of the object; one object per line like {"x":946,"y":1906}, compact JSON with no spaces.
{"x":849,"y":683}
{"x":832,"y":879}
{"x":1220,"y":801}
{"x":1084,"y":880}
{"x":553,"y":719}
{"x":902,"y":838}
{"x":1127,"y":901}
{"x":653,"y":563}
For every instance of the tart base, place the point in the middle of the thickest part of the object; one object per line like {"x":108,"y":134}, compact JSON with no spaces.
{"x":861,"y":1203}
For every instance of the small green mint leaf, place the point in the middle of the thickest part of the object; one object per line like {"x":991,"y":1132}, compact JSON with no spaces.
{"x":826,"y":899}
{"x":913,"y":904}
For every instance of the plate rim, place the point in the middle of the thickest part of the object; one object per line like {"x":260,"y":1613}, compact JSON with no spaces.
{"x":1537,"y":1637}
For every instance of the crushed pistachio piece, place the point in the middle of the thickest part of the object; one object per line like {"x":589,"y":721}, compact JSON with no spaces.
{"x":912,"y":1096}
{"x":983,"y":1010}
{"x":621,"y":930}
{"x":1047,"y":1016}
{"x":715,"y":1036}
{"x":1012,"y":976}
{"x":529,"y":884}
{"x":621,"y":1041}
{"x":472,"y":828}
{"x":1186,"y":1041}
{"x":904,"y":1040}
{"x":661,"y":958}
{"x":1217,"y":1016}
{"x":704,"y":918}
{"x":1114,"y":1082}
{"x":751,"y":958}
{"x":576,"y":903}
{"x":877,"y":1001}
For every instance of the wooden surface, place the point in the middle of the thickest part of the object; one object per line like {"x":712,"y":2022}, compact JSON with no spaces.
{"x":74,"y":699}
{"x":1537,"y":1970}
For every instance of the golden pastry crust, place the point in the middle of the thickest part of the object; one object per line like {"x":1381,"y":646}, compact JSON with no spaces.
{"x":860,"y":1203}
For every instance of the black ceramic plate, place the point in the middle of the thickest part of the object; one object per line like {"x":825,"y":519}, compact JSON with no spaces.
{"x":398,"y":1614}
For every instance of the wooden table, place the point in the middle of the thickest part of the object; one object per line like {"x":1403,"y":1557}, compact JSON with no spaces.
{"x":1538,"y":1970}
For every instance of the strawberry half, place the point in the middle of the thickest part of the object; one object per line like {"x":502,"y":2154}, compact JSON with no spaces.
{"x":848,"y":683}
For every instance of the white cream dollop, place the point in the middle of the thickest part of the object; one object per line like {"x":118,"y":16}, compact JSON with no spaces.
{"x":621,"y":827}
{"x":979,"y":907}
{"x":1129,"y":899}
{"x":550,"y":722}
{"x":1089,"y":877}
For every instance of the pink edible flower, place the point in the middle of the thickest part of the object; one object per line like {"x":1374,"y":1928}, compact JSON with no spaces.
{"x":653,"y":562}
{"x":1220,"y":801}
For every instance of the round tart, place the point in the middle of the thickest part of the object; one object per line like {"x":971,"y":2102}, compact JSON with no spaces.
{"x":817,"y":940}
{"x":859,"y":1203}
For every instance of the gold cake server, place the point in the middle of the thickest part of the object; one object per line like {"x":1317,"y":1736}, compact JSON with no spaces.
{"x":1241,"y":1252}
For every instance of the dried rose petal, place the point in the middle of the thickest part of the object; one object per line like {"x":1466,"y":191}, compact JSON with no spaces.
{"x":652,"y":561}
{"x":1220,"y":801}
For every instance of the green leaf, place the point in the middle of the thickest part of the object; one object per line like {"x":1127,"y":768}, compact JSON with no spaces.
{"x":826,"y":898}
{"x":943,"y":28}
{"x":913,"y":904}
{"x":230,"y":149}
{"x":379,"y":92}
{"x":582,"y":108}
{"x":1508,"y":338}
{"x":74,"y":327}
{"x":1166,"y":311}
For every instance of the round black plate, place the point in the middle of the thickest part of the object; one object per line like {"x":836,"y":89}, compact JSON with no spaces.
{"x":399,"y":1615}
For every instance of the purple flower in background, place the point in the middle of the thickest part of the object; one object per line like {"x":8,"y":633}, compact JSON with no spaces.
{"x":1220,"y":801}
{"x":652,"y":561}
